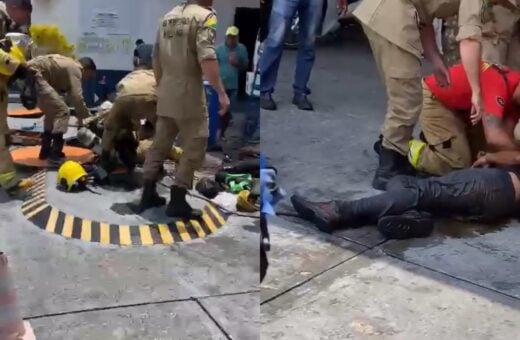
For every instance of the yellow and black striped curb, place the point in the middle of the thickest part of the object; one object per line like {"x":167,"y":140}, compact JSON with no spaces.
{"x":37,"y":210}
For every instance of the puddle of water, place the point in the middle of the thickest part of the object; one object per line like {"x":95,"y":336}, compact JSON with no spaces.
{"x":460,"y":229}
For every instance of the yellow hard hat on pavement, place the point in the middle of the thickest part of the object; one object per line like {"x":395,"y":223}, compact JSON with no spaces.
{"x":72,"y":176}
{"x":11,"y":57}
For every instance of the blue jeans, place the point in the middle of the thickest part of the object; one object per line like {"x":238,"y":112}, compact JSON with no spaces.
{"x":310,"y":14}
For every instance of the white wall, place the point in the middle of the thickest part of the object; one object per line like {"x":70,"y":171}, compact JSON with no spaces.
{"x":139,"y":17}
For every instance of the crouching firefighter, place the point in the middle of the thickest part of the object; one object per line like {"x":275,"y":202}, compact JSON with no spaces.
{"x":136,"y":101}
{"x":12,"y":68}
{"x":59,"y":75}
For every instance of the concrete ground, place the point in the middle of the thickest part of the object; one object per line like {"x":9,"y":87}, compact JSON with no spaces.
{"x":71,"y":289}
{"x":461,"y":283}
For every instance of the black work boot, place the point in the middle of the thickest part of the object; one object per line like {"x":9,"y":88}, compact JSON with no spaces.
{"x":303,"y":103}
{"x":325,"y":215}
{"x":411,"y":224}
{"x":57,"y":147}
{"x":378,"y":144}
{"x":46,"y":148}
{"x":150,"y":198}
{"x":391,"y":164}
{"x":179,"y":207}
{"x":267,"y":102}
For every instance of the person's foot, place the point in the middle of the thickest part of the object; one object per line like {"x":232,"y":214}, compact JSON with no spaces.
{"x":46,"y":147}
{"x":391,"y":164}
{"x":378,"y":144}
{"x":324,"y":215}
{"x":179,"y":207}
{"x":409,"y":225}
{"x":267,"y":102}
{"x":150,"y":198}
{"x":303,"y":103}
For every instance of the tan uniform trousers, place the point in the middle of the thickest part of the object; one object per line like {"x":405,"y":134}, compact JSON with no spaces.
{"x":126,"y":115}
{"x":400,"y":72}
{"x":55,"y":109}
{"x":451,"y":143}
{"x":193,"y":135}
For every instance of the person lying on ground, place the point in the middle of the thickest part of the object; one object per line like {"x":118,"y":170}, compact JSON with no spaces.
{"x":452,"y":134}
{"x":406,"y":209}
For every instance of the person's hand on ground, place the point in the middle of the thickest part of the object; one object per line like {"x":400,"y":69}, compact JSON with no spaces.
{"x":482,"y":161}
{"x":342,"y":8}
{"x":223,"y":100}
{"x":441,"y":73}
{"x":476,"y":108}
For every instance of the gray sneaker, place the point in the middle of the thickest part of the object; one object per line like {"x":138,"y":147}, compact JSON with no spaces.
{"x":267,"y":102}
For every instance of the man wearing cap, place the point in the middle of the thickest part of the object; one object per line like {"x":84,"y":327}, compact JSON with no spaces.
{"x":12,"y":67}
{"x":232,"y":59}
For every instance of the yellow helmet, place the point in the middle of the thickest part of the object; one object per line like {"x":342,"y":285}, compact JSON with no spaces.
{"x":71,"y":176}
{"x":11,"y":57}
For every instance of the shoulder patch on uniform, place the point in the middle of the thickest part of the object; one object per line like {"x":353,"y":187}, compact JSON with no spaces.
{"x":501,"y":101}
{"x":211,"y":22}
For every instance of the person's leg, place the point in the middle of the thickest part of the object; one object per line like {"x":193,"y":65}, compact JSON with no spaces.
{"x":446,"y":146}
{"x":282,"y":13}
{"x":165,"y":134}
{"x":194,"y":140}
{"x":310,"y":14}
{"x":401,"y":72}
{"x":56,"y":120}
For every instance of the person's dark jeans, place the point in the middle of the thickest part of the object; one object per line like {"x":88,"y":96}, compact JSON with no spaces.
{"x":228,"y":117}
{"x":282,"y":14}
{"x":486,"y":195}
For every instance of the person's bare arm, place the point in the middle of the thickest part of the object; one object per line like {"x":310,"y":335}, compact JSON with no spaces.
{"x":470,"y":52}
{"x":432,"y":53}
{"x":497,"y":138}
{"x":501,"y":158}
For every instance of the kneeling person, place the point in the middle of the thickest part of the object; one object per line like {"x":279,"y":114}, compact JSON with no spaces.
{"x":57,"y":76}
{"x":486,"y":195}
{"x":136,"y":100}
{"x":451,"y":143}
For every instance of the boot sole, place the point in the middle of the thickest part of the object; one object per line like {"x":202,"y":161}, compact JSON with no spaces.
{"x":310,"y":215}
{"x":402,"y":228}
{"x":139,"y":209}
{"x":195,"y":215}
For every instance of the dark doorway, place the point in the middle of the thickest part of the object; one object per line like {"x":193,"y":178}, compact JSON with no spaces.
{"x":248,"y":22}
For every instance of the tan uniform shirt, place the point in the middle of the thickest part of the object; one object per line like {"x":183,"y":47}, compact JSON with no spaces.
{"x":186,"y":37}
{"x":64,"y":75}
{"x":139,"y":82}
{"x":398,"y":21}
{"x":502,"y":24}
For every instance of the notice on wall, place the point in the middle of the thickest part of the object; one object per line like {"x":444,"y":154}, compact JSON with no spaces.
{"x":107,"y":21}
{"x":93,"y":43}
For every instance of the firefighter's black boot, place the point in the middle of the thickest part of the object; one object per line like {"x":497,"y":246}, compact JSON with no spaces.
{"x":150,"y":198}
{"x":46,"y":148}
{"x":179,"y":206}
{"x":57,"y":147}
{"x":391,"y":164}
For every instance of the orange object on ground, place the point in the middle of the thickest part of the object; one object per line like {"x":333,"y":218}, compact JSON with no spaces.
{"x":24,"y":113}
{"x":28,"y":156}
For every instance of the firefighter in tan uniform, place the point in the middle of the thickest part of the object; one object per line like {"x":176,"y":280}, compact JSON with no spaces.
{"x":400,"y":33}
{"x":11,"y":68}
{"x":136,"y":101}
{"x":184,"y":53}
{"x":60,"y":76}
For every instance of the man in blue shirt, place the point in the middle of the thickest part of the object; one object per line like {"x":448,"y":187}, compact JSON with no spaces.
{"x":232,"y":59}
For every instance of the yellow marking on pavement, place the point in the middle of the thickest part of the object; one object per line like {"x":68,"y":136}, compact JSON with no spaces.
{"x":51,"y":223}
{"x":166,"y":235}
{"x":217,"y":215}
{"x":146,"y":235}
{"x":67,"y":226}
{"x":209,"y":222}
{"x":86,"y":230}
{"x":36,"y":211}
{"x":181,"y":227}
{"x":124,"y":235}
{"x":34,"y":204}
{"x":196,"y":225}
{"x":104,"y":233}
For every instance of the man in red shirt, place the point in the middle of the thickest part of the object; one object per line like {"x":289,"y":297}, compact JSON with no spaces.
{"x":453,"y":135}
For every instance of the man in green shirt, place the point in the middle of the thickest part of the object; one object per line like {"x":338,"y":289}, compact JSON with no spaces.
{"x":232,"y":59}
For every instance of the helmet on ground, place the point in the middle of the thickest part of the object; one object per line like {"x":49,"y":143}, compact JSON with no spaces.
{"x":72,"y":176}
